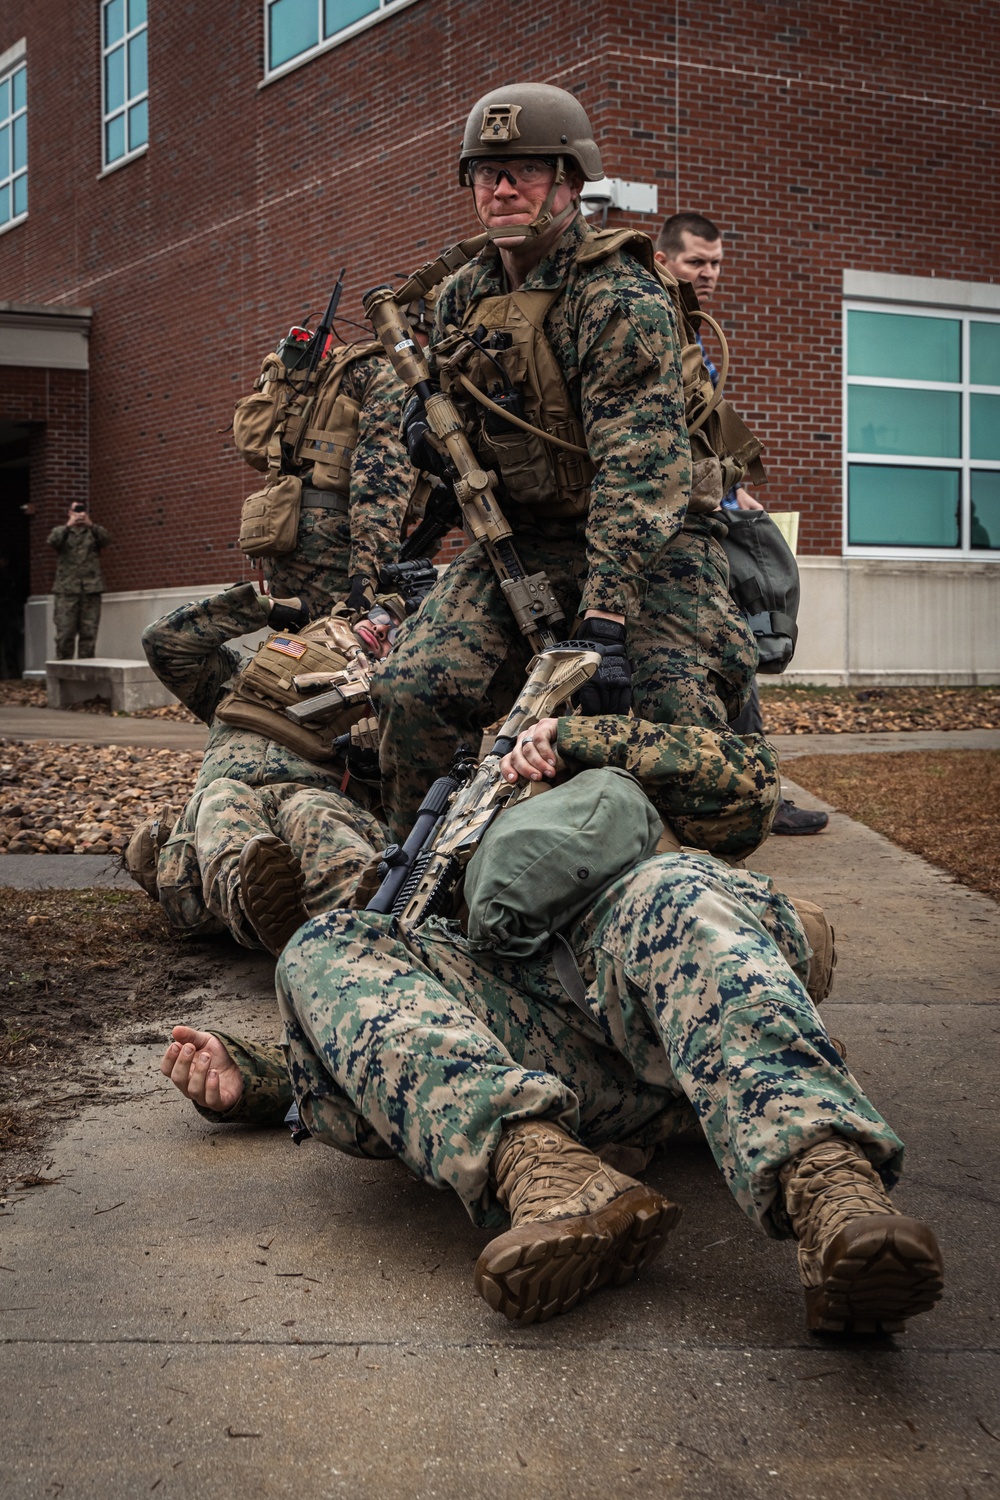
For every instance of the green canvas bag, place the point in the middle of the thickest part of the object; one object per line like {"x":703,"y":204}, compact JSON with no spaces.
{"x":547,"y":859}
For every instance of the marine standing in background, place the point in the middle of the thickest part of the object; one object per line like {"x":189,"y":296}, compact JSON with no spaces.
{"x":572,"y":331}
{"x":78,"y":582}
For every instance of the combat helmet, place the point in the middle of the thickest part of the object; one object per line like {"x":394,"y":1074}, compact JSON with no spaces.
{"x":532,"y":119}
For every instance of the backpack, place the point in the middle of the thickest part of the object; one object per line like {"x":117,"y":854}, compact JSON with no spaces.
{"x":764,"y":582}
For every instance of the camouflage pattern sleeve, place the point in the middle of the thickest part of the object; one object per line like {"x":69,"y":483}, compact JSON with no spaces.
{"x":632,"y":406}
{"x":187,"y":651}
{"x":381,"y":473}
{"x":57,"y":537}
{"x":102,"y":537}
{"x":267,"y":1089}
{"x":717,"y":790}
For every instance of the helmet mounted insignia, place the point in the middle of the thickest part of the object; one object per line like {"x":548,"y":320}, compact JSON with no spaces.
{"x":500,"y":123}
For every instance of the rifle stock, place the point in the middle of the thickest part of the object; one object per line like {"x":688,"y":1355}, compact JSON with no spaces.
{"x":434,"y":865}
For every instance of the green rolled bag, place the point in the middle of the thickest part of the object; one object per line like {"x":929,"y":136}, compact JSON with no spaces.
{"x":547,"y":859}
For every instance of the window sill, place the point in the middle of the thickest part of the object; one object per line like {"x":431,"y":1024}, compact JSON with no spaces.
{"x":123,"y":161}
{"x":13,"y":223}
{"x":348,"y":33}
{"x":922,"y":554}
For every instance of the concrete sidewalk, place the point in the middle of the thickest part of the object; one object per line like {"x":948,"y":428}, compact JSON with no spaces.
{"x":200,"y":1311}
{"x":98,"y":729}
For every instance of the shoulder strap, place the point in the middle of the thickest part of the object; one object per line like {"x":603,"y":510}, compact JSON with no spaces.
{"x":602,"y":243}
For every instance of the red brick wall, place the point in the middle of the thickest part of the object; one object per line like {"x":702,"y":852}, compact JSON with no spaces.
{"x":818,"y":137}
{"x":54,"y":403}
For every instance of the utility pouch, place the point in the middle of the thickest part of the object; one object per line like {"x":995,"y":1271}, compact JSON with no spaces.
{"x":257,"y":415}
{"x":706,"y":486}
{"x":329,"y":443}
{"x":269,"y":521}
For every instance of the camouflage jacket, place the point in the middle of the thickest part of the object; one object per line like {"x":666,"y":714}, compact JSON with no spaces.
{"x":718,"y":791}
{"x":382,"y":477}
{"x":78,"y":570}
{"x":187,"y":650}
{"x":614,"y":335}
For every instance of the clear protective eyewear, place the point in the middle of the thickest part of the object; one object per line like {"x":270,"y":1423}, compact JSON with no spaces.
{"x":380,"y":616}
{"x":521,"y":171}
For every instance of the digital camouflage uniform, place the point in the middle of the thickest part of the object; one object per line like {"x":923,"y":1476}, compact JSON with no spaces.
{"x":77,"y":589}
{"x":636,"y":552}
{"x":418,"y":1047}
{"x":248,"y":784}
{"x":334,"y":545}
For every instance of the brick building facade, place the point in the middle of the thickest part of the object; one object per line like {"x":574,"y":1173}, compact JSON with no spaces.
{"x":196,"y":176}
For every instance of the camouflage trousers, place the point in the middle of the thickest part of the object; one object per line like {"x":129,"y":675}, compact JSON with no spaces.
{"x":197,"y":874}
{"x":316,"y":571}
{"x":461,"y":660}
{"x":76,"y":616}
{"x":692,"y":1001}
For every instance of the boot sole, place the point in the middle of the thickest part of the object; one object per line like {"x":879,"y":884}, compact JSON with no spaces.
{"x":271,"y":892}
{"x":877,"y":1272}
{"x":538,"y":1271}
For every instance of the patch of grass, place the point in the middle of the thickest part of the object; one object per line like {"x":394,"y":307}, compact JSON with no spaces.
{"x":941,"y":804}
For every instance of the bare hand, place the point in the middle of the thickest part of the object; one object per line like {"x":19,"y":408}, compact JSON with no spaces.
{"x":746,"y":501}
{"x":535,"y":756}
{"x":78,"y":518}
{"x":197,"y":1063}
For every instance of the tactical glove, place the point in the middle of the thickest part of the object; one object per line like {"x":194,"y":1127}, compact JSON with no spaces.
{"x":286,"y":614}
{"x":421,"y":444}
{"x":361,"y":596}
{"x":362,"y":753}
{"x":609,"y":691}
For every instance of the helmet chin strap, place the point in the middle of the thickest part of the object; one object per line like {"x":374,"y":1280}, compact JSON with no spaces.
{"x":546,"y":219}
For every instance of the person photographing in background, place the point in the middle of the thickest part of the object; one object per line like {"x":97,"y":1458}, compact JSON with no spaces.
{"x":78,"y":584}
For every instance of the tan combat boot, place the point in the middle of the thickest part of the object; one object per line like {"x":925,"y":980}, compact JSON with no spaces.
{"x":576,"y":1225}
{"x":271,"y":891}
{"x":865,"y":1267}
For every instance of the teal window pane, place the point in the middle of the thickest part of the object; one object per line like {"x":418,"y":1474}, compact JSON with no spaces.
{"x":136,"y":14}
{"x":984,"y":353}
{"x":114,"y":139}
{"x":5,"y":166}
{"x":19,"y":89}
{"x":902,"y":507}
{"x":340,"y":13}
{"x":293,"y":27}
{"x":985,"y":515}
{"x":895,"y":346}
{"x":19,"y":154}
{"x":137,"y":81}
{"x":114,"y":22}
{"x":21,"y":194}
{"x":138,"y":125}
{"x":984,"y":425}
{"x":925,"y":424}
{"x":4,"y":203}
{"x":114,"y":80}
{"x":4,"y":99}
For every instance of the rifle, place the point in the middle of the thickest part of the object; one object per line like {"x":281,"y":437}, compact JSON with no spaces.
{"x":420,"y":879}
{"x":441,"y":514}
{"x":532,"y":600}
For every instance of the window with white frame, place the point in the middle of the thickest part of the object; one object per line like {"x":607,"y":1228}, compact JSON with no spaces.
{"x":922,"y":430}
{"x":124,"y":79}
{"x":14,"y":143}
{"x":294,"y":29}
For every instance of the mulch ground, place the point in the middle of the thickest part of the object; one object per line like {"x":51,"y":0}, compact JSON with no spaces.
{"x":17,"y":694}
{"x":86,"y":799}
{"x":812,"y":710}
{"x":80,"y":970}
{"x":941,"y":804}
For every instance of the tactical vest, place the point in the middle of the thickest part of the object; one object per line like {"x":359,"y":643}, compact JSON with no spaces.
{"x":266,"y":686}
{"x":551,"y":468}
{"x":289,"y":420}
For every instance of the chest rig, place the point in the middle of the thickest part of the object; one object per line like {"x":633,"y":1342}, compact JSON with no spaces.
{"x":275,"y":693}
{"x":512,"y":363}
